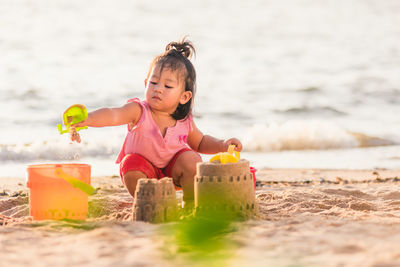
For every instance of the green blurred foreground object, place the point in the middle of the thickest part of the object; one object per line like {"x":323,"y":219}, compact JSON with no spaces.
{"x":74,"y":114}
{"x":88,"y":189}
{"x":203,"y":240}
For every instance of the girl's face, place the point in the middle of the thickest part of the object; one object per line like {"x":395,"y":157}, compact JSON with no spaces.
{"x":165,"y":90}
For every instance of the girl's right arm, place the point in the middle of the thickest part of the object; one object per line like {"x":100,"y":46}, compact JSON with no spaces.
{"x":129,"y":113}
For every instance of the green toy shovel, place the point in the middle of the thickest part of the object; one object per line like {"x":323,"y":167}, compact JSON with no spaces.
{"x":84,"y":187}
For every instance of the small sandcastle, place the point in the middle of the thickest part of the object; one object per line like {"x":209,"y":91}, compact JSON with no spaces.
{"x":225,"y":187}
{"x":155,"y":201}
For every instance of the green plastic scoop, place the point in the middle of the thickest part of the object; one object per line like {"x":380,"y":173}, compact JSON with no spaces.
{"x":74,"y":114}
{"x":86,"y":188}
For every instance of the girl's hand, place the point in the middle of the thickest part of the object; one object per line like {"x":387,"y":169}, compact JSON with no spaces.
{"x":80,"y":124}
{"x":232,"y":141}
{"x":74,"y":135}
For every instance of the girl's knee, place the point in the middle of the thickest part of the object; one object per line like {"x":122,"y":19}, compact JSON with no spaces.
{"x":130,"y":179}
{"x":133,"y":175}
{"x":185,"y":167}
{"x":191,"y":156}
{"x":189,"y":161}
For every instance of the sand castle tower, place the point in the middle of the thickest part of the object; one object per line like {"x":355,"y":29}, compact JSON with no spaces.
{"x":225,"y":187}
{"x":155,"y":200}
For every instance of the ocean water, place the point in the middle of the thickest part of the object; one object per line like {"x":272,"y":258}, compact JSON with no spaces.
{"x":304,"y":83}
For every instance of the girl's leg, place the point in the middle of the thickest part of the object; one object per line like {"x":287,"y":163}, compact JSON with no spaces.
{"x":132,"y":168}
{"x":183,"y":173}
{"x":130,"y":180}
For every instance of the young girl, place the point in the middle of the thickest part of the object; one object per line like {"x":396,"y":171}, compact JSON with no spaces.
{"x":162,"y":138}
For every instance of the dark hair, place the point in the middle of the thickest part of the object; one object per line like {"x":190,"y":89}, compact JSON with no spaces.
{"x":177,"y":57}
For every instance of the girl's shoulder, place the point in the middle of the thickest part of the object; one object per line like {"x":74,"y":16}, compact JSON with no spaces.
{"x":138,"y":103}
{"x":136,"y":100}
{"x":133,"y":104}
{"x":138,"y":107}
{"x":187,"y":122}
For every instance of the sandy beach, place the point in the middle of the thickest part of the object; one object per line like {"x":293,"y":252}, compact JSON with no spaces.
{"x":307,"y":217}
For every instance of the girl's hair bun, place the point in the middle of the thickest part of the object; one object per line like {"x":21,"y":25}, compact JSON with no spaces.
{"x":183,"y":47}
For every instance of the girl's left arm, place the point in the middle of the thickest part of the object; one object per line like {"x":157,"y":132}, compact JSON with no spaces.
{"x":208,"y":144}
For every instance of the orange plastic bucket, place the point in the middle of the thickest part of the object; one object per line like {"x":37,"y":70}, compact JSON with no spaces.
{"x":53,"y":198}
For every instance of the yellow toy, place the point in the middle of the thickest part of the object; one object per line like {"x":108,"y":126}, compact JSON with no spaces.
{"x":74,"y":114}
{"x":231,"y":156}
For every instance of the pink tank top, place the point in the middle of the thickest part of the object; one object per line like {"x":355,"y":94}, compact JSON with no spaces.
{"x":145,"y":138}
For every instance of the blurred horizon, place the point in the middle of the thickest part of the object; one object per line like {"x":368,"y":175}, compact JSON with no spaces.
{"x":286,"y":77}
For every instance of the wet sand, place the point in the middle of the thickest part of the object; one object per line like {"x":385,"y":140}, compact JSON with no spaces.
{"x":307,"y":217}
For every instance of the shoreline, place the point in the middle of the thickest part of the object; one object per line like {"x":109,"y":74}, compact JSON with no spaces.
{"x":262,"y":175}
{"x":315,"y":174}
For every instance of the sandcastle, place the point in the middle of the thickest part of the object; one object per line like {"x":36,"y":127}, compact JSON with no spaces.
{"x":225,"y":187}
{"x":155,"y":200}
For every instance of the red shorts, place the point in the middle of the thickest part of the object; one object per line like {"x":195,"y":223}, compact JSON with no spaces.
{"x":136,"y":162}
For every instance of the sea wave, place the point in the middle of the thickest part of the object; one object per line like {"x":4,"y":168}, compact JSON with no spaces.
{"x":55,"y":151}
{"x":291,"y":135}
{"x":312,"y":110}
{"x":307,"y":135}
